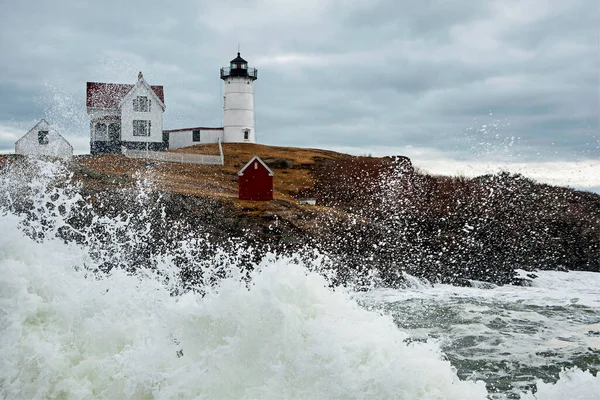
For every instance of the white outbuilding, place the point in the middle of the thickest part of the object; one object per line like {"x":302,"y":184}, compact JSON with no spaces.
{"x":44,"y":141}
{"x":186,"y":137}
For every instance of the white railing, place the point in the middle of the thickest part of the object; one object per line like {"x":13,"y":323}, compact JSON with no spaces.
{"x":175,"y":157}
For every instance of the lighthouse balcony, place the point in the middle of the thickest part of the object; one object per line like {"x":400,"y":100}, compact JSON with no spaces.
{"x":227,"y":72}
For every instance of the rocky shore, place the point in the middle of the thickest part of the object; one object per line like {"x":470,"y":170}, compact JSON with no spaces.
{"x":375,"y":219}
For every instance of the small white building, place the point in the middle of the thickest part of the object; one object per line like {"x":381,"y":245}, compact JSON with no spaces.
{"x":186,"y":137}
{"x":308,"y":202}
{"x":43,"y":141}
{"x":123,"y":115}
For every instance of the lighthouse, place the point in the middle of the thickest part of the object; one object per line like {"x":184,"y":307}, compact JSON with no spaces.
{"x":238,"y":101}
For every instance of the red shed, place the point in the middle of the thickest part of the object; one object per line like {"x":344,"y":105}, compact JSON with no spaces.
{"x":255,"y":181}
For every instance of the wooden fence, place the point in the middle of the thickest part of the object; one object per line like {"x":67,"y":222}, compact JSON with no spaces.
{"x":176,"y":157}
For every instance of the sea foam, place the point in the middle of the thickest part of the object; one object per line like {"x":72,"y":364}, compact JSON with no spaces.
{"x":69,"y":333}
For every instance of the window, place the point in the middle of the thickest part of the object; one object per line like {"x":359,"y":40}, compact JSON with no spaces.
{"x":100,"y":131}
{"x":114,"y":132}
{"x":141,"y":104}
{"x":196,"y":135}
{"x":43,"y":137}
{"x":141,"y":128}
{"x":247,"y":134}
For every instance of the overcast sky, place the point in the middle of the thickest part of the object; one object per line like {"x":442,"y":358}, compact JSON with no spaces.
{"x":459,"y":86}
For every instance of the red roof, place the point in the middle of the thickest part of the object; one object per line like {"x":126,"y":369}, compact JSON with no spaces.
{"x":109,"y":95}
{"x":193,"y":129}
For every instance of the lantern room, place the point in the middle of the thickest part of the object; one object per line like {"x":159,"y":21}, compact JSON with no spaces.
{"x":239,"y":67}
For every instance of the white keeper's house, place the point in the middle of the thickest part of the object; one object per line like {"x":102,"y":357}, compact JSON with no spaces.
{"x":44,"y":141}
{"x":130,"y":116}
{"x":124,"y":115}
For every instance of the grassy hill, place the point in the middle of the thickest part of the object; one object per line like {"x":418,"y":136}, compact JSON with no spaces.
{"x":216,"y":181}
{"x":372,"y":213}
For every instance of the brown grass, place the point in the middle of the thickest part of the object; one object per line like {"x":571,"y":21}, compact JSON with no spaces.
{"x":216,"y":181}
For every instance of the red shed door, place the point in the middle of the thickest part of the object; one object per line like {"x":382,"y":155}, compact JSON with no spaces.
{"x":255,"y":183}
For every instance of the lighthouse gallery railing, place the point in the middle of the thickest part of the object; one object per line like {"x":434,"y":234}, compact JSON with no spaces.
{"x":250,"y":72}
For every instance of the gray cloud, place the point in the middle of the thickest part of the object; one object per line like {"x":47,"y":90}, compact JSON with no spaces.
{"x":331,"y":73}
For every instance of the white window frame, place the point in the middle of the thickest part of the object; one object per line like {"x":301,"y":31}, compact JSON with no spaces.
{"x":199,"y":136}
{"x":141,"y":128}
{"x":43,"y":138}
{"x":142,"y":104}
{"x":100,"y":136}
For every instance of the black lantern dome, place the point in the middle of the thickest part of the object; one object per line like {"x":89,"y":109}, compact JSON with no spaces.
{"x":239,"y":62}
{"x":239,"y":67}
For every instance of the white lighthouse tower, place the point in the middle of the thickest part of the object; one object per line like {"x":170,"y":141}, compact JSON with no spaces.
{"x":238,"y":101}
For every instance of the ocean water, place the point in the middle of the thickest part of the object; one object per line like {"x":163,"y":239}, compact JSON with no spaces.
{"x":68,"y":330}
{"x":514,"y":338}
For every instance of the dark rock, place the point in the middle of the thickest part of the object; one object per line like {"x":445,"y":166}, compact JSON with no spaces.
{"x":278,"y":163}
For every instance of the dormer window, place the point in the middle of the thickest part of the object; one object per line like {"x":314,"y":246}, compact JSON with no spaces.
{"x":141,"y":104}
{"x":43,"y":137}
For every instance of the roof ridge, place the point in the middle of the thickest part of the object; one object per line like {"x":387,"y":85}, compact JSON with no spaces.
{"x":109,"y":95}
